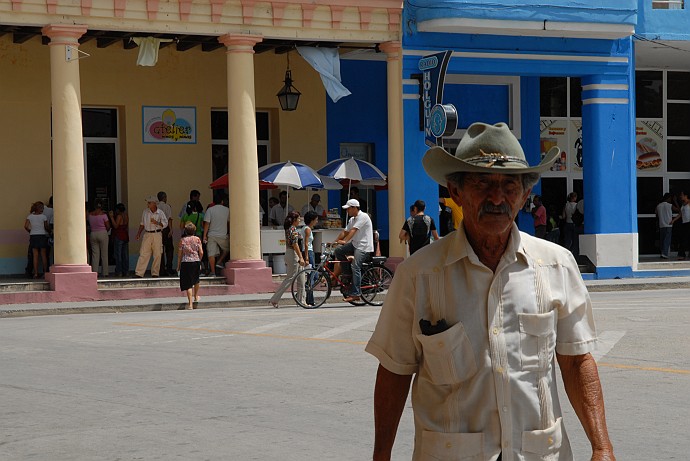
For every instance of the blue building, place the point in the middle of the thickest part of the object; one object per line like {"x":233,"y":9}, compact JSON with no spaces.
{"x":606,"y":81}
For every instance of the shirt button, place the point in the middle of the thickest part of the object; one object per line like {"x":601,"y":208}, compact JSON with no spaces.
{"x":550,"y":440}
{"x":495,"y":331}
{"x":449,"y":445}
{"x":441,"y":344}
{"x":499,"y":369}
{"x":505,"y":409}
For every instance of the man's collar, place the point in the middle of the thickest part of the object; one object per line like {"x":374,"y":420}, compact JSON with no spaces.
{"x":460,"y":246}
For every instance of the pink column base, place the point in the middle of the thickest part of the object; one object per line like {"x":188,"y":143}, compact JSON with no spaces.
{"x":250,"y":276}
{"x":77,"y":280}
{"x":393,"y":262}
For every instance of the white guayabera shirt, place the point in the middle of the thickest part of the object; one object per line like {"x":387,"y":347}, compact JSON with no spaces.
{"x":487,"y":384}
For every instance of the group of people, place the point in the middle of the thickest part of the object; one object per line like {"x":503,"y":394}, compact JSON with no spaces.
{"x":671,"y":209}
{"x":563,"y":228}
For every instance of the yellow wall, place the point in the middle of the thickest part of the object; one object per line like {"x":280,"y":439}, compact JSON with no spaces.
{"x":110,"y":77}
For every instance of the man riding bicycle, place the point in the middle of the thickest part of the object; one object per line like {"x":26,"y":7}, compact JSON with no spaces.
{"x":356,"y":240}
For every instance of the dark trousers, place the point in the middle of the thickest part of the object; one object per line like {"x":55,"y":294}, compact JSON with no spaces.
{"x":540,"y":232}
{"x":168,"y":252}
{"x":684,"y":240}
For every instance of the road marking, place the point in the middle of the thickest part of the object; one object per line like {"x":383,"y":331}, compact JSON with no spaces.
{"x":605,"y":342}
{"x":274,"y":325}
{"x":635,"y":367}
{"x":244,"y":333}
{"x":345,"y":328}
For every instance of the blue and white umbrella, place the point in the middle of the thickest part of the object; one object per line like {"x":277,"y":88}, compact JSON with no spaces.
{"x":290,"y":174}
{"x":355,"y":170}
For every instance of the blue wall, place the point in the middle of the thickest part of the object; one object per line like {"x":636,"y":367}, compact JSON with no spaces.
{"x":662,"y":24}
{"x":362,"y":117}
{"x":599,"y":11}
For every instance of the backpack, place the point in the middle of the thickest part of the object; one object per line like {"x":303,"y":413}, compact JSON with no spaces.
{"x":578,"y":218}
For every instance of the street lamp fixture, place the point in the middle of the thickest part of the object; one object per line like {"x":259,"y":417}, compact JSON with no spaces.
{"x":288,"y":96}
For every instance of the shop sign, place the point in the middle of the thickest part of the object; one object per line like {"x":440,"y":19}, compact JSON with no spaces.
{"x":648,"y":144}
{"x":169,"y":125}
{"x":433,"y":69}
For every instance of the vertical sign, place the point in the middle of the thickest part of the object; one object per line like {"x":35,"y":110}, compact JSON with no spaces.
{"x":433,"y":69}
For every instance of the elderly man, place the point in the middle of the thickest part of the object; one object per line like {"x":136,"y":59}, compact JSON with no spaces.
{"x":479,"y":319}
{"x":153,"y":221}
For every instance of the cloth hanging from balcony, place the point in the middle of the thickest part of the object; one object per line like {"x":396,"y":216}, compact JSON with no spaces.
{"x":148,"y":49}
{"x":326,"y":61}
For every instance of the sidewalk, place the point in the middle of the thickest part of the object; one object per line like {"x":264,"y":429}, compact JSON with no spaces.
{"x":262,"y":299}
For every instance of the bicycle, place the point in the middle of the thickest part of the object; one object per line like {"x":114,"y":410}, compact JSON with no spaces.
{"x":318,"y":281}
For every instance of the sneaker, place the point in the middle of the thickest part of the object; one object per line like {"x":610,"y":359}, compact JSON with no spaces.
{"x":664,"y":257}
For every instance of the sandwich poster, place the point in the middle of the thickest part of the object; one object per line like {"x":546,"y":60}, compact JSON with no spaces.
{"x":169,"y":125}
{"x":648,"y":144}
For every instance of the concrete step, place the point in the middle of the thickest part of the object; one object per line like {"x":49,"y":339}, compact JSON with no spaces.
{"x":116,"y":283}
{"x":23,"y":286}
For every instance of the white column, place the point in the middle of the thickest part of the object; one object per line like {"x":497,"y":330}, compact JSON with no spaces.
{"x":396,"y":154}
{"x":70,"y":272}
{"x":246,"y":267}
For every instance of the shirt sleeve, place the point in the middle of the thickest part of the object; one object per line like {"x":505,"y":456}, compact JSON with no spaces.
{"x":433,"y":225}
{"x":576,"y":332}
{"x":207,"y":216}
{"x":406,"y":228}
{"x":164,"y":219}
{"x":392,"y":342}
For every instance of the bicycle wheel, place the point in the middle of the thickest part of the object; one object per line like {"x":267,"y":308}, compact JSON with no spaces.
{"x":375,"y":283}
{"x":311,"y":288}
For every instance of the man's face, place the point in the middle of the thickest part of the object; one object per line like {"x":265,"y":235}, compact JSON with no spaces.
{"x":196,"y":198}
{"x":315,"y":202}
{"x":352,"y":211}
{"x":489,"y":202}
{"x":283,"y":200}
{"x":537,"y":201}
{"x":153,"y":206}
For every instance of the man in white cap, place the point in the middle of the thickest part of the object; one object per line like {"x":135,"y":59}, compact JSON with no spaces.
{"x":480,"y":317}
{"x":153,"y":221}
{"x":357,"y":240}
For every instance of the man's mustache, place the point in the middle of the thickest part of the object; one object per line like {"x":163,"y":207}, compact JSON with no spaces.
{"x":489,"y":208}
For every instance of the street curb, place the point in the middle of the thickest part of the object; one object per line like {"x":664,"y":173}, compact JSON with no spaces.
{"x":106,"y":307}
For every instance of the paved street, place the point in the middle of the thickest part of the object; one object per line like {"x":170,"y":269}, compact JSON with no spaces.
{"x":289,"y":384}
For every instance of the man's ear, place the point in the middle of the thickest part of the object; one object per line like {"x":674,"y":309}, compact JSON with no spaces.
{"x":454,"y":192}
{"x":524,"y":197}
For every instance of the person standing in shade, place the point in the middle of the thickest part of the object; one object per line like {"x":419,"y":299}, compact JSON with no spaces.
{"x":216,"y":234}
{"x":354,"y":194}
{"x":36,"y":224}
{"x":189,"y":263}
{"x":480,"y":319}
{"x":455,"y":211}
{"x":120,"y":220}
{"x":279,"y":212}
{"x":315,"y":206}
{"x":99,"y":223}
{"x":168,"y":246}
{"x":294,"y":259}
{"x":569,"y":235}
{"x":685,"y":226}
{"x":418,"y":228}
{"x":664,"y":214}
{"x":194,"y":196}
{"x":539,"y":215}
{"x":153,"y":221}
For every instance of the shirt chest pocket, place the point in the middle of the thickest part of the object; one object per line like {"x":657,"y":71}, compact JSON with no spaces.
{"x":448,"y":357}
{"x":537,"y":340}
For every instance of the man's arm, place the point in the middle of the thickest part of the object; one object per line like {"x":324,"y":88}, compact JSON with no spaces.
{"x":205,"y":238}
{"x":390,"y":395}
{"x":581,"y":381}
{"x":346,"y":236}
